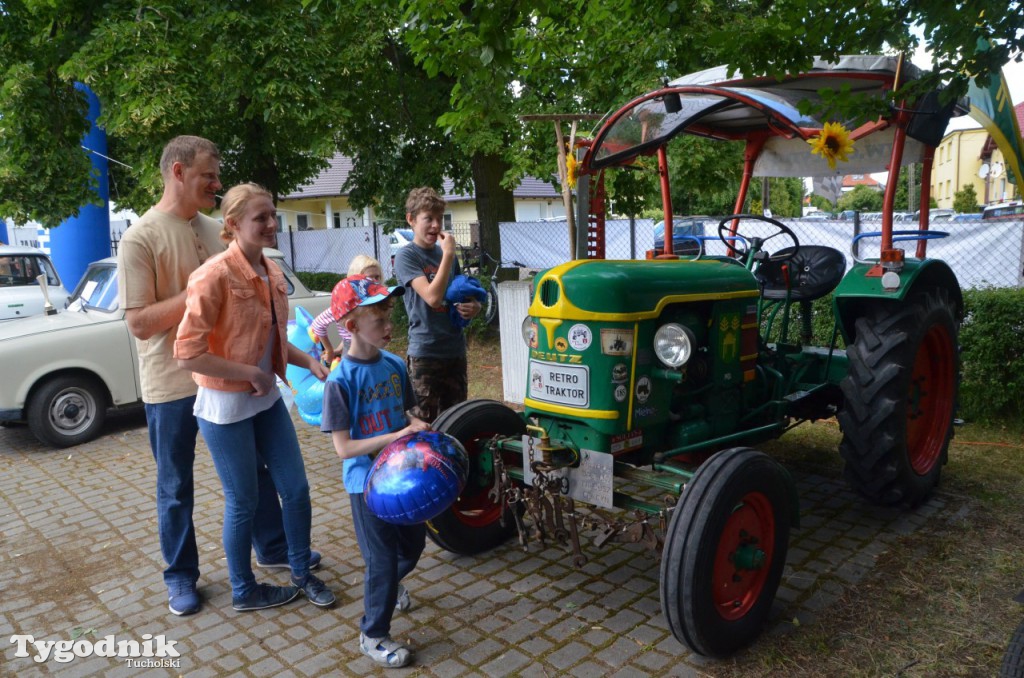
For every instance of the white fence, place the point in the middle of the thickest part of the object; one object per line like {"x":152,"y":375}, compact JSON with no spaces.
{"x":982,"y":253}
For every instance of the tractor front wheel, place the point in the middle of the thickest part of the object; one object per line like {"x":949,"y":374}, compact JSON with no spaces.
{"x":474,"y":522}
{"x":724,"y":551}
{"x":899,"y":397}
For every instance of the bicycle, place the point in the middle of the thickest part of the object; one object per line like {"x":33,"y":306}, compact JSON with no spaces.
{"x":478,"y":263}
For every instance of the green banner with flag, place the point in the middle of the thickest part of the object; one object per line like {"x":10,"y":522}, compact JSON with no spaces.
{"x":992,"y":107}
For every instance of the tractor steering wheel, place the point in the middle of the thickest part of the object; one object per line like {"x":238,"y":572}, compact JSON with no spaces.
{"x":756,"y":244}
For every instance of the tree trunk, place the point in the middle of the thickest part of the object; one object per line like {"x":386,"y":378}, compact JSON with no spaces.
{"x":494,"y":202}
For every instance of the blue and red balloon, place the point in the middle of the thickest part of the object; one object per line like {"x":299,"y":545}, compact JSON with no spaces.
{"x":416,"y":478}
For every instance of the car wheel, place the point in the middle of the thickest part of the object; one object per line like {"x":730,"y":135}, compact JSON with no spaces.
{"x":66,"y":411}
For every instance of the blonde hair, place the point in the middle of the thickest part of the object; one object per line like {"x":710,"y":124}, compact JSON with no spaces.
{"x":235,"y":202}
{"x":361,"y":262}
{"x":184,"y":149}
{"x":424,"y":199}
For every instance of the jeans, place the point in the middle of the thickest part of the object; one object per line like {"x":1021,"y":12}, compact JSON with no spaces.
{"x":172,"y":437}
{"x":390,"y":552}
{"x":238,"y":451}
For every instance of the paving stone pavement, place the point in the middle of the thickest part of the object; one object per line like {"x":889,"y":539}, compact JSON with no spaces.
{"x":79,"y":556}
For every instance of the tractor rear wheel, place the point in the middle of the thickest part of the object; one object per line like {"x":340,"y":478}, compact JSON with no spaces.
{"x":724,"y":551}
{"x":899,"y":398}
{"x":474,"y":522}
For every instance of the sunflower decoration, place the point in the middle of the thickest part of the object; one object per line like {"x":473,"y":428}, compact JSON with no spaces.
{"x":571,"y":167}
{"x":833,"y":143}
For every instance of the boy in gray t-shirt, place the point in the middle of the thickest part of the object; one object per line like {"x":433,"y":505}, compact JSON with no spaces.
{"x":437,"y":350}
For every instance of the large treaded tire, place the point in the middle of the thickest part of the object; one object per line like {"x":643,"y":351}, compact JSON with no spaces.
{"x":473,"y":523}
{"x":1013,"y":660}
{"x":724,"y":551}
{"x":899,"y":398}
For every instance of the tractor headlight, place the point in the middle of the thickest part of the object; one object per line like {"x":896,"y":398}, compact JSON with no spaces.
{"x":529,"y":330}
{"x":673,"y":344}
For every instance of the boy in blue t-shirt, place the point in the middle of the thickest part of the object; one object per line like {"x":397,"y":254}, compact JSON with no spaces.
{"x":365,"y":403}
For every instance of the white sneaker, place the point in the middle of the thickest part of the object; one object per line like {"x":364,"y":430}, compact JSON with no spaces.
{"x":385,"y":651}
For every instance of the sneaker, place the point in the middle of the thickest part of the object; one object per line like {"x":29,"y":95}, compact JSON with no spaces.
{"x":314,"y":562}
{"x":264,"y":596}
{"x":404,"y":602}
{"x":385,"y":651}
{"x":316,"y":591}
{"x":182,"y":598}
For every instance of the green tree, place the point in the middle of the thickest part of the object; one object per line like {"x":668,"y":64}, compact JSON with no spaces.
{"x":822,"y":204}
{"x":862,"y":199}
{"x":262,"y":82}
{"x":966,"y":200}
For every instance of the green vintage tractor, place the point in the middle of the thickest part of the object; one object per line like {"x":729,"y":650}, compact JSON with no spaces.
{"x":662,"y":374}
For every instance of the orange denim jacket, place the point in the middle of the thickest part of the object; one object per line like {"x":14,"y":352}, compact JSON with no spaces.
{"x":227,"y":313}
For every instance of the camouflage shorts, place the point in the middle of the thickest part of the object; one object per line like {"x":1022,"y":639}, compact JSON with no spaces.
{"x":438,"y":384}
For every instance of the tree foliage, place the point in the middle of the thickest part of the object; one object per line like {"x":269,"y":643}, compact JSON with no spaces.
{"x":862,"y":199}
{"x":415,"y":90}
{"x":965,"y":200}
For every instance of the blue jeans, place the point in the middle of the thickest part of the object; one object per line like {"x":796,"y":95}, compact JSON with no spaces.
{"x":238,"y":451}
{"x":390,"y":552}
{"x":172,"y":437}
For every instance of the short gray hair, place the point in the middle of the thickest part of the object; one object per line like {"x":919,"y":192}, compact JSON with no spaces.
{"x":184,"y":149}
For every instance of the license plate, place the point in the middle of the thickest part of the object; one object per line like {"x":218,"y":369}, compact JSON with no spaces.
{"x":560,"y":384}
{"x":591,"y":482}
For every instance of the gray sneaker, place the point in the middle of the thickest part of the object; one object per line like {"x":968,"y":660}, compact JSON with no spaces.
{"x":264,"y":596}
{"x":385,"y":651}
{"x":316,"y":591}
{"x":404,"y":602}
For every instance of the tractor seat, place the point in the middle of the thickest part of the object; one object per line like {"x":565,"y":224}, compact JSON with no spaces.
{"x":814,"y":271}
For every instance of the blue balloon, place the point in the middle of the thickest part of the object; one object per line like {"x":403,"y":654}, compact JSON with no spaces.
{"x":416,"y":478}
{"x":309,"y":391}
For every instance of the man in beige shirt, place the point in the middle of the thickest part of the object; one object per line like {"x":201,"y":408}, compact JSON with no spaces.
{"x":155,"y":258}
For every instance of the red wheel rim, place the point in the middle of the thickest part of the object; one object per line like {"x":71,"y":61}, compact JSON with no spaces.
{"x":930,"y":399}
{"x":744,"y":556}
{"x":474,"y":508}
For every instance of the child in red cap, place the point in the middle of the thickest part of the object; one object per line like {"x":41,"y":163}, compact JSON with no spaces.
{"x":365,"y":403}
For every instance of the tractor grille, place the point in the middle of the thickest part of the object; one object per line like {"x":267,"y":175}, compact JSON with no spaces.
{"x":549,"y":293}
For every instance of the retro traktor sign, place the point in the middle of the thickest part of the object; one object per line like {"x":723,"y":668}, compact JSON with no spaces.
{"x":150,"y":652}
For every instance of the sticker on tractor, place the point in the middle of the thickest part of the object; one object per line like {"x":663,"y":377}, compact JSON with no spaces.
{"x":580,"y":337}
{"x":620,"y":373}
{"x":617,"y":342}
{"x":561,"y":344}
{"x":621,"y":392}
{"x":560,"y":384}
{"x":627,"y":441}
{"x":531,"y":335}
{"x":643,"y":389}
{"x":592,"y":482}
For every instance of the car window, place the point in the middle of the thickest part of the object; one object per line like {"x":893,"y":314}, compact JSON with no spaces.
{"x":19,"y":270}
{"x":98,"y":288}
{"x":288,"y":274}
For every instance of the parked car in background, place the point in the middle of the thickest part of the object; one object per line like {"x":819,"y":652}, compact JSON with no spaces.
{"x":399,"y":238}
{"x":1004,"y":210}
{"x":21,"y":295}
{"x":62,"y":372}
{"x":685,"y":234}
{"x":818,"y":216}
{"x":967,"y":216}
